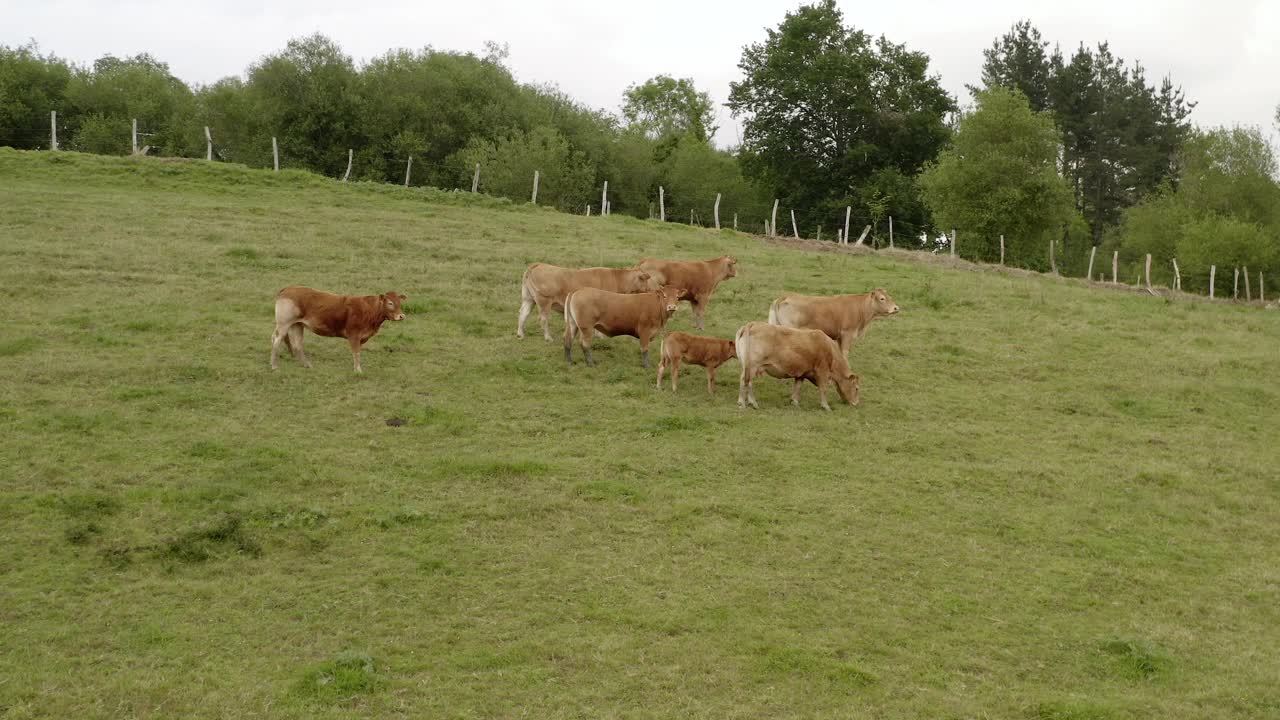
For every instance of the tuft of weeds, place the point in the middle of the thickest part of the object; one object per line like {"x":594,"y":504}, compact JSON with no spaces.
{"x":1133,"y":659}
{"x":339,"y":679}
{"x":221,"y":537}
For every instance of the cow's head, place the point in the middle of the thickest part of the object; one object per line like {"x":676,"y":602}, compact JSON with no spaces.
{"x":730,"y":266}
{"x":391,"y":305}
{"x":847,"y":386}
{"x":882,"y":303}
{"x":671,"y":297}
{"x":644,"y":281}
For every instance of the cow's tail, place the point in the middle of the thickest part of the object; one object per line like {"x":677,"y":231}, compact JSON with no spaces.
{"x":570,"y":326}
{"x":773,"y":312}
{"x":741,"y":340}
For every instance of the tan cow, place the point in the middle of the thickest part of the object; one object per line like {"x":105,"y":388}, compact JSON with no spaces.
{"x":697,"y":279}
{"x":844,"y":318}
{"x":792,"y":353}
{"x":708,"y":352}
{"x":640,"y":315}
{"x":356,"y":318}
{"x":548,"y":286}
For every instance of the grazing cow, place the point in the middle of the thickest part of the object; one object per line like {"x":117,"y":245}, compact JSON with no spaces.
{"x":548,"y":286}
{"x":792,"y":353}
{"x":641,"y":315}
{"x":844,"y":318}
{"x":697,"y":279}
{"x":708,"y":352}
{"x":356,"y":318}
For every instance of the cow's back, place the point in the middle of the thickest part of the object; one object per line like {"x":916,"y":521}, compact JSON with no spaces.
{"x":554,"y":282}
{"x":832,"y":315}
{"x":690,"y":276}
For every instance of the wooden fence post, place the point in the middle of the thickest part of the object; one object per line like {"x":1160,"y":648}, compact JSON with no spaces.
{"x":662,"y":204}
{"x":1053,"y":263}
{"x":275,"y":155}
{"x":953,"y":242}
{"x":1115,"y":266}
{"x":1177,"y":276}
{"x":475,"y":180}
{"x":135,"y":136}
{"x":891,"y":236}
{"x":1213,"y":270}
{"x":1092,"y":252}
{"x":407,"y":169}
{"x":820,"y":233}
{"x":1235,"y":290}
{"x":53,"y":129}
{"x":209,"y":143}
{"x":1002,"y":249}
{"x":839,"y":237}
{"x":1148,"y":271}
{"x":351,"y":154}
{"x":690,"y":217}
{"x":848,"y":210}
{"x":773,"y":219}
{"x":1248,"y":294}
{"x":794,"y":230}
{"x":535,"y":187}
{"x":735,"y":222}
{"x":1262,"y":292}
{"x":588,"y":209}
{"x":863,"y":236}
{"x":604,"y":199}
{"x":716,"y":212}
{"x":608,"y":207}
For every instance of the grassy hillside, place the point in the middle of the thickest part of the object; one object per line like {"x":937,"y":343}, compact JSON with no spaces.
{"x":1053,"y":502}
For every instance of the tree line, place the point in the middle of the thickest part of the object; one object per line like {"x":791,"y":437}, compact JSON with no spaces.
{"x":1078,"y":150}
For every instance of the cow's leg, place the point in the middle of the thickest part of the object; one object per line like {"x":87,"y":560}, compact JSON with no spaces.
{"x":543,"y":311}
{"x":295,"y":344}
{"x":355,"y":344}
{"x":822,"y":391}
{"x":675,"y":373}
{"x":743,"y":379}
{"x":699,"y":308}
{"x":584,"y":339}
{"x":711,"y":379}
{"x":751,"y":389}
{"x":846,"y":340}
{"x":643,"y":337}
{"x":795,"y":392}
{"x":526,"y":307}
{"x":662,"y":366}
{"x":279,"y":336}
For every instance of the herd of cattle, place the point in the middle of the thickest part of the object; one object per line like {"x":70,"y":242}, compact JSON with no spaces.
{"x":807,"y":338}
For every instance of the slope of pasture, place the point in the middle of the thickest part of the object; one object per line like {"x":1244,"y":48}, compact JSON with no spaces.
{"x":1053,"y":502}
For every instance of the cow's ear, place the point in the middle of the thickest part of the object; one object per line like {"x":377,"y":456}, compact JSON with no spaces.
{"x":403,"y":297}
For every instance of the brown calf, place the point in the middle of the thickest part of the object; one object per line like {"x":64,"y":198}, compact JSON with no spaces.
{"x":844,"y":318}
{"x":708,"y":352}
{"x":697,"y":279}
{"x":548,"y":285}
{"x":641,"y":315}
{"x":790,"y":353}
{"x":356,"y":318}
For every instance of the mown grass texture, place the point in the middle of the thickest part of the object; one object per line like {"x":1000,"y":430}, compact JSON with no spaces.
{"x":1053,"y":502}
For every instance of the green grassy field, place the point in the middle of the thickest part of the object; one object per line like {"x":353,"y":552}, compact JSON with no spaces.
{"x":1053,"y":502}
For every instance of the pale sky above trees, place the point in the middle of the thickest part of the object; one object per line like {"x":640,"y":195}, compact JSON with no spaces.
{"x":1224,"y":54}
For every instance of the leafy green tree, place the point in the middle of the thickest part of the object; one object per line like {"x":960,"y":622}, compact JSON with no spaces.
{"x":112,"y":93}
{"x":695,"y":172}
{"x":664,"y":107}
{"x":826,"y":107}
{"x":999,"y":177}
{"x":31,"y":85}
{"x":565,"y":176}
{"x":307,"y":97}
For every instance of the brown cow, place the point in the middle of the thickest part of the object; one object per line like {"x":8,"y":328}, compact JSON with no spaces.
{"x":548,"y":286}
{"x":844,"y":318}
{"x":708,"y":352}
{"x":641,"y":315}
{"x":356,"y":318}
{"x":791,"y":353}
{"x":697,"y":279}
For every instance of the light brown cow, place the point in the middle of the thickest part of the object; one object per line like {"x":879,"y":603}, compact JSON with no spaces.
{"x":792,"y":353}
{"x":356,"y":318}
{"x":697,"y":279}
{"x":708,"y":352}
{"x":548,"y":286}
{"x":844,"y":318}
{"x":640,"y":315}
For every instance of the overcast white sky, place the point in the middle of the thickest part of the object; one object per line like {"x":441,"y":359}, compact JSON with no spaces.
{"x":1225,"y":54}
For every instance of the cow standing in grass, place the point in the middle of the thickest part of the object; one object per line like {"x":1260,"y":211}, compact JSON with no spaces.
{"x":547,"y":286}
{"x":698,"y":279}
{"x":844,"y":318}
{"x":708,"y":352}
{"x":640,"y":315}
{"x":801,"y":355}
{"x":356,"y":318}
